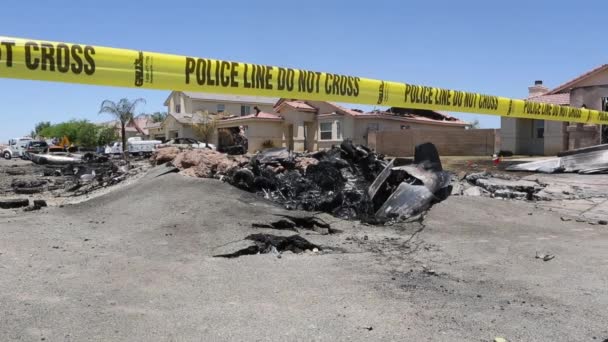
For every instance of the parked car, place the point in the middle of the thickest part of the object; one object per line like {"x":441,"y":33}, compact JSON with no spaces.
{"x":34,"y":147}
{"x":187,"y":142}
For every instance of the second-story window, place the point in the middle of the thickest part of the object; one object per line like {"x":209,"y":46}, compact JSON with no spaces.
{"x":178,"y":108}
{"x":245,"y":110}
{"x":220,"y":108}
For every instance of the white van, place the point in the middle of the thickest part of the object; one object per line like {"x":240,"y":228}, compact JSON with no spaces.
{"x":16,"y":147}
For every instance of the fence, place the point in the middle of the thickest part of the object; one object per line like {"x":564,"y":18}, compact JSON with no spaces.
{"x":471,"y":142}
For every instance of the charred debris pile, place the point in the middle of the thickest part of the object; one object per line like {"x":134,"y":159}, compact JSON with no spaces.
{"x":67,"y":176}
{"x":348,"y":181}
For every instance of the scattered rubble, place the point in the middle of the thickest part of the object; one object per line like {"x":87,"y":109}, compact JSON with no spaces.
{"x":294,"y":223}
{"x":14,"y":203}
{"x":349,"y":181}
{"x":267,"y":243}
{"x":499,"y":186}
{"x":70,"y":179}
{"x":588,"y":160}
{"x":545,"y":257}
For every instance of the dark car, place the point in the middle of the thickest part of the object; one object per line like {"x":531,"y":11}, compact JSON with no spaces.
{"x":34,"y":147}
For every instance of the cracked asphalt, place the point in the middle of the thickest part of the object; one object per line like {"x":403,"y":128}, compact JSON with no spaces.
{"x":137,"y":264}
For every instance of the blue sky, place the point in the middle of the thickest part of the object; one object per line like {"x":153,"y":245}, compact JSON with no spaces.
{"x":497,"y":48}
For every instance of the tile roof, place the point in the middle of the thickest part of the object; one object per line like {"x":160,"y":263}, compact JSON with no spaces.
{"x":345,"y":110}
{"x":297,"y":104}
{"x":558,"y":99}
{"x":187,"y":118}
{"x":566,"y":86}
{"x":415,"y":116}
{"x":260,"y":116}
{"x":231,"y":98}
{"x":154,"y":125}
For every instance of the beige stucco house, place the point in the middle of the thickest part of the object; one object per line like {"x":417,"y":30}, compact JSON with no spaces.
{"x":540,"y":137}
{"x":313,"y":125}
{"x":141,"y":126}
{"x":185,"y":109}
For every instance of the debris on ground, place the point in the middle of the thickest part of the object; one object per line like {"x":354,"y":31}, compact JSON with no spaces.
{"x":44,"y":181}
{"x":348,"y":181}
{"x":267,"y":243}
{"x":588,"y":160}
{"x":428,"y":271}
{"x":294,"y":223}
{"x":544,"y":257}
{"x":13,"y":203}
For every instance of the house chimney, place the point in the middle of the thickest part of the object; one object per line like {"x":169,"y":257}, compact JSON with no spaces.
{"x":537,"y":89}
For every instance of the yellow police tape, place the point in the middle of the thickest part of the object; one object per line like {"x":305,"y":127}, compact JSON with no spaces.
{"x":78,"y":63}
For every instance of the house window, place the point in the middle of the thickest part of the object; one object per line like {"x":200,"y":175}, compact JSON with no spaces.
{"x":373,"y":127}
{"x":539,"y":129}
{"x":178,"y":108}
{"x":220,"y":108}
{"x":245,"y":110}
{"x":339,"y":129}
{"x":326,"y":130}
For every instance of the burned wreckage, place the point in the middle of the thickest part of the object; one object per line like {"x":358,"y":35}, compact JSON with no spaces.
{"x":348,"y":181}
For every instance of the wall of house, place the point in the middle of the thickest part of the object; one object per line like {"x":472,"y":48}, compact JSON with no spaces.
{"x":189,"y":105}
{"x":581,"y":135}
{"x":337,"y":131}
{"x":260,"y":131}
{"x":170,"y":125}
{"x":298,"y":120}
{"x":520,"y":137}
{"x":508,"y":134}
{"x":471,"y":142}
{"x":177,"y":98}
{"x":555,"y":137}
{"x":362,"y":127}
{"x":156,"y":134}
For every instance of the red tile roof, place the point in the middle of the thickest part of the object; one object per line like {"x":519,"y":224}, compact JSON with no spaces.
{"x":566,"y":86}
{"x":558,"y":99}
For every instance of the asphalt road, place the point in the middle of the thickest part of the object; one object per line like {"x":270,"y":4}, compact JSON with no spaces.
{"x":137,"y":265}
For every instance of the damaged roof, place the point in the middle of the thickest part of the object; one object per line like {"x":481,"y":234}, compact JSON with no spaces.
{"x":419,"y":115}
{"x":187,"y":118}
{"x":296,"y":104}
{"x":406,"y":114}
{"x":264,"y":116}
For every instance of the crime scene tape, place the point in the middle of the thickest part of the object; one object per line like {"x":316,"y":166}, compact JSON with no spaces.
{"x":87,"y":64}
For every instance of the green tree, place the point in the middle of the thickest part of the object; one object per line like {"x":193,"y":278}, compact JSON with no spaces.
{"x":123,"y":112}
{"x":158,"y":116}
{"x":106,"y":135}
{"x":79,"y":132}
{"x":39,"y":127}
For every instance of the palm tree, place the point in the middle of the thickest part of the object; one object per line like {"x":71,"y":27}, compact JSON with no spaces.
{"x":123,"y":112}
